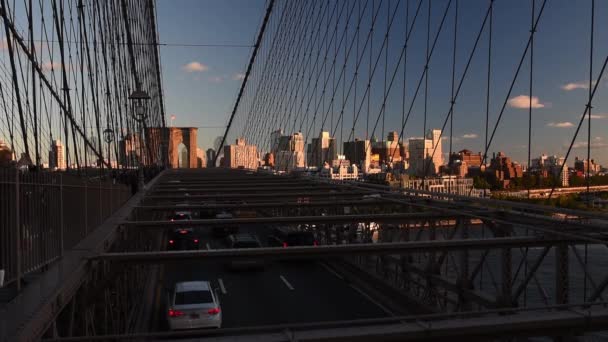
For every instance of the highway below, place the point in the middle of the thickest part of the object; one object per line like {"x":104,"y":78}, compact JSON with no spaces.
{"x":281,"y":293}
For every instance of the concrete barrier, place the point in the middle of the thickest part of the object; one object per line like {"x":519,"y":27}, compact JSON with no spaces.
{"x":1,"y":278}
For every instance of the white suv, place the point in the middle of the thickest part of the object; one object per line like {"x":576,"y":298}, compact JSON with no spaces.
{"x":192,"y":305}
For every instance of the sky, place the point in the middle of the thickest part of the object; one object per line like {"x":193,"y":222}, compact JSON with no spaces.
{"x":201,"y":83}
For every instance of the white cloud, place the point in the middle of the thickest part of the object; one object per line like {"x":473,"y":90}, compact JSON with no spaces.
{"x":3,"y":44}
{"x":238,"y":77}
{"x":583,"y":144}
{"x":565,"y":124}
{"x":195,"y":67}
{"x":597,"y":116}
{"x":577,"y":85}
{"x":448,"y":138}
{"x":470,"y":136}
{"x":523,"y":101}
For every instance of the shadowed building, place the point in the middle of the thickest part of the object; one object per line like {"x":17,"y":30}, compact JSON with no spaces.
{"x":210,"y":157}
{"x":359,"y":153}
{"x":321,"y":150}
{"x":6,"y":155}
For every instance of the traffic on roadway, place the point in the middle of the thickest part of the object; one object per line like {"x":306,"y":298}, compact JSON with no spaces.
{"x":197,"y":294}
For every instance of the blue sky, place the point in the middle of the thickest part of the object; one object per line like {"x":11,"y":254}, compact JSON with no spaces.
{"x":204,"y":93}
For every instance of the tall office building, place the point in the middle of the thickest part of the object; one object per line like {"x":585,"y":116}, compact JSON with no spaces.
{"x":387,"y":151}
{"x":210,"y":157}
{"x":359,"y":153}
{"x":275,"y":141}
{"x":426,"y":154}
{"x":57,"y":156}
{"x":287,"y":151}
{"x":321,"y":150}
{"x":241,"y":155}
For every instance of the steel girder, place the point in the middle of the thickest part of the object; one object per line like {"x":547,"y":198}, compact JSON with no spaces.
{"x":323,"y":252}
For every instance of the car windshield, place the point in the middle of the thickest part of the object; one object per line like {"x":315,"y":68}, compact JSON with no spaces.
{"x":302,"y":238}
{"x":193,"y":297}
{"x":246,"y":244}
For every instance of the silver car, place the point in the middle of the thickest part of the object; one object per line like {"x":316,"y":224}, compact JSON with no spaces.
{"x":194,"y":305}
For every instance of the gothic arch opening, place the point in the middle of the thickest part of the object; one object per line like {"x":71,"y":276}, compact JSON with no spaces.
{"x":183,"y":156}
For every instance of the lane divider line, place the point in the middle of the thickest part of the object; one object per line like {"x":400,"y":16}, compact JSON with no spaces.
{"x":368,"y":297}
{"x":330,"y":270}
{"x":222,"y":287}
{"x":286,"y":283}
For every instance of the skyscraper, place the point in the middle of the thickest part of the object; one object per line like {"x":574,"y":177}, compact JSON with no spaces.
{"x":388,"y":151}
{"x":275,"y":140}
{"x":322,"y":150}
{"x":183,"y":160}
{"x":426,"y":154}
{"x":57,"y":156}
{"x":287,"y":151}
{"x":241,"y":155}
{"x":358,"y":152}
{"x":210,"y":157}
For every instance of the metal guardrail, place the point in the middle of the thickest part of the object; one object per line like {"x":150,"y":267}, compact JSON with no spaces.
{"x":454,"y":199}
{"x":487,"y":324}
{"x":42,"y":214}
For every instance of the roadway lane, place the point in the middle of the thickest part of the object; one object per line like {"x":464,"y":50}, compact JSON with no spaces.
{"x":284,"y":292}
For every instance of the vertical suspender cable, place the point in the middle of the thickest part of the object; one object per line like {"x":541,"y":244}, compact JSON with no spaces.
{"x":588,"y":178}
{"x":532,"y":31}
{"x":251,"y":61}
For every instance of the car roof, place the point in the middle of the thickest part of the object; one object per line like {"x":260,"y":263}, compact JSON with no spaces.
{"x":192,"y":286}
{"x":223,"y":215}
{"x":183,"y":212}
{"x":183,"y":228}
{"x":243,"y":237}
{"x":290,"y":230}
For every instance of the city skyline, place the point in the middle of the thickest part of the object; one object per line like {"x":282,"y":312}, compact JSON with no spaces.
{"x":202,"y":79}
{"x":558,"y":98}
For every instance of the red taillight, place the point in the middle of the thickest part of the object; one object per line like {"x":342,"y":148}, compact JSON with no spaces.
{"x":315,"y":243}
{"x":171,"y":242}
{"x":175,"y":313}
{"x":214,"y":311}
{"x":195,"y":240}
{"x":284,"y":244}
{"x":183,"y":231}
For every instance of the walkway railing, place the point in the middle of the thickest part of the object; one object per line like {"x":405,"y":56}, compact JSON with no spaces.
{"x":42,"y":214}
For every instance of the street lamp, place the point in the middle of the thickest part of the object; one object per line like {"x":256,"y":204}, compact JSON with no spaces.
{"x":139,"y":114}
{"x":108,"y":136}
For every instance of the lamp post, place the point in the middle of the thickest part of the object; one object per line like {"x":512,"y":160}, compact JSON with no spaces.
{"x":139,"y":114}
{"x":108,"y":136}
